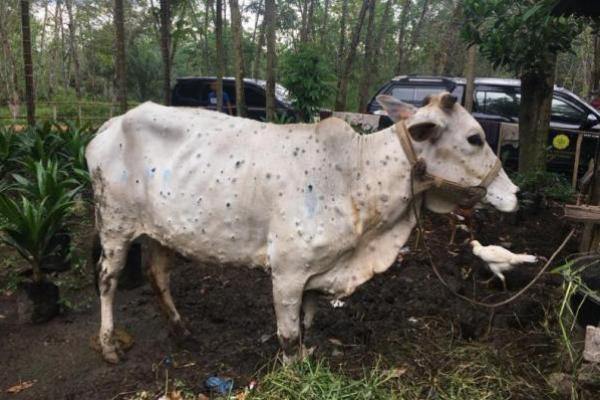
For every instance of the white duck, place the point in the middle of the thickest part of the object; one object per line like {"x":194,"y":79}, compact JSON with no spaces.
{"x":500,"y":259}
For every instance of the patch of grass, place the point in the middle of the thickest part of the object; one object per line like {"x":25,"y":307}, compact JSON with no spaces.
{"x":316,"y":380}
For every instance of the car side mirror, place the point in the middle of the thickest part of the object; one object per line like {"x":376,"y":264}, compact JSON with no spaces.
{"x":590,"y":121}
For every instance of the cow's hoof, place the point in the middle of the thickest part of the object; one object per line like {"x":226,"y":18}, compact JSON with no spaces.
{"x":299,"y":355}
{"x":179,"y":331}
{"x":111,"y":356}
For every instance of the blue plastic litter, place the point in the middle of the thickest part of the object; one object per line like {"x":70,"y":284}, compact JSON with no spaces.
{"x":219,"y":385}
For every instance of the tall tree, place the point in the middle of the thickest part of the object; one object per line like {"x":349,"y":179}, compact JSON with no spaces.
{"x":595,"y":86}
{"x":342,"y":45}
{"x":470,"y":74}
{"x":120,"y":61}
{"x":28,"y":62}
{"x":401,"y":36}
{"x":270,"y":27}
{"x":524,"y":37}
{"x":417,"y":30}
{"x":238,"y":57}
{"x":165,"y":48}
{"x":12,"y":84}
{"x":384,"y":28}
{"x":365,"y":81}
{"x":73,"y":48}
{"x":342,"y":84}
{"x":219,"y":44}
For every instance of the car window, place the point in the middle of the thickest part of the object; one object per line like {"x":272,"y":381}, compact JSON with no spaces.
{"x":563,"y":111}
{"x":498,"y":103}
{"x":415,"y":95}
{"x":255,"y":97}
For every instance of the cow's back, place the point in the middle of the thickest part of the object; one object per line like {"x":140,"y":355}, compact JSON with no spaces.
{"x":214,"y":186}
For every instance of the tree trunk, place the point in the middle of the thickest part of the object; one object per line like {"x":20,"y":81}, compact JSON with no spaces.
{"x":270,"y":13}
{"x":470,"y":74}
{"x":416,"y":33}
{"x":205,"y":54}
{"x":323,"y":29}
{"x":120,"y":62}
{"x":259,"y":47}
{"x":219,"y":43}
{"x":401,"y":36}
{"x":534,"y":117}
{"x":365,"y":81}
{"x":307,"y":21}
{"x":165,"y":48}
{"x":237,"y":31}
{"x":342,"y":85}
{"x":28,"y":62}
{"x":12,"y":92}
{"x":342,"y":46}
{"x":595,"y":87}
{"x":73,"y":48}
{"x":380,"y":39}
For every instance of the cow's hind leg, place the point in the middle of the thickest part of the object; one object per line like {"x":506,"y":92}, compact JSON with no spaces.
{"x":158,"y":260}
{"x":112,"y":261}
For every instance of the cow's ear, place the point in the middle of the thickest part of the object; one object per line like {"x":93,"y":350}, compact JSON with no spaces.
{"x":396,"y":109}
{"x":423,"y":130}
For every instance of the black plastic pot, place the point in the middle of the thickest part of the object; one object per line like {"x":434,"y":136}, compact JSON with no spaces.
{"x":58,"y":261}
{"x":587,"y":309}
{"x":38,"y":302}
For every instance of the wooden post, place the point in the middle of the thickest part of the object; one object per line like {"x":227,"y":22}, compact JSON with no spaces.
{"x":54,"y":111}
{"x":79,"y":111}
{"x":577,"y":160}
{"x":500,"y":140}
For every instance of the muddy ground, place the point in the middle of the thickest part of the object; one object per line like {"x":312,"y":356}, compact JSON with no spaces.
{"x":403,"y":317}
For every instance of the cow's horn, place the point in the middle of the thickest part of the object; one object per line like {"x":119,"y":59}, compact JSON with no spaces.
{"x":448,"y":101}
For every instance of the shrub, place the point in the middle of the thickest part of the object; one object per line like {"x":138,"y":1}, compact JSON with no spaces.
{"x":308,"y":78}
{"x":550,"y":185}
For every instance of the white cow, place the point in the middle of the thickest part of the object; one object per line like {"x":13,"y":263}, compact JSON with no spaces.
{"x":318,"y":205}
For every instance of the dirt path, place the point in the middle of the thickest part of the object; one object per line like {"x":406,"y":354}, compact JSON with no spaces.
{"x":392,"y":318}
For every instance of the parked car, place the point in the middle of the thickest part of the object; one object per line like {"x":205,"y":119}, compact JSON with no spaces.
{"x":497,"y":101}
{"x":193,"y":92}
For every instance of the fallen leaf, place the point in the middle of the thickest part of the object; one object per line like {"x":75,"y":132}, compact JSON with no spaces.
{"x":335,"y":342}
{"x":21,"y":386}
{"x":396,"y":372}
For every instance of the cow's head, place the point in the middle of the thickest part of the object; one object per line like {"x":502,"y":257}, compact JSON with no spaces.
{"x":453,"y":145}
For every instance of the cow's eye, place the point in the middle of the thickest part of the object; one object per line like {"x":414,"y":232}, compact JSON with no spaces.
{"x":475,"y":140}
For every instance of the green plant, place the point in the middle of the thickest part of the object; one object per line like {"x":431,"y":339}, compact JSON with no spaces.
{"x":9,"y":144}
{"x":30,"y":223}
{"x":550,"y":185}
{"x":49,"y":182}
{"x":306,"y":74}
{"x":29,"y":227}
{"x":74,"y":142}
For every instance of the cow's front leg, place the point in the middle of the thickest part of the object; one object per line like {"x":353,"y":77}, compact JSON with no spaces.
{"x":112,"y":262}
{"x":287,"y":299}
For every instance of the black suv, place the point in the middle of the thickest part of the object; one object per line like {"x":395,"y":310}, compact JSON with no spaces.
{"x":496,"y":107}
{"x":193,"y":92}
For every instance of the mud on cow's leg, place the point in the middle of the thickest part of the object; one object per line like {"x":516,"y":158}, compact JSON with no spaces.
{"x":112,"y":261}
{"x":158,"y":261}
{"x":287,"y":299}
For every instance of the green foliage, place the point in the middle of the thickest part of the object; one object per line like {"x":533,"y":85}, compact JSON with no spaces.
{"x":29,"y":225}
{"x":315,"y":380}
{"x":307,"y":76}
{"x":550,"y":185}
{"x":519,"y":35}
